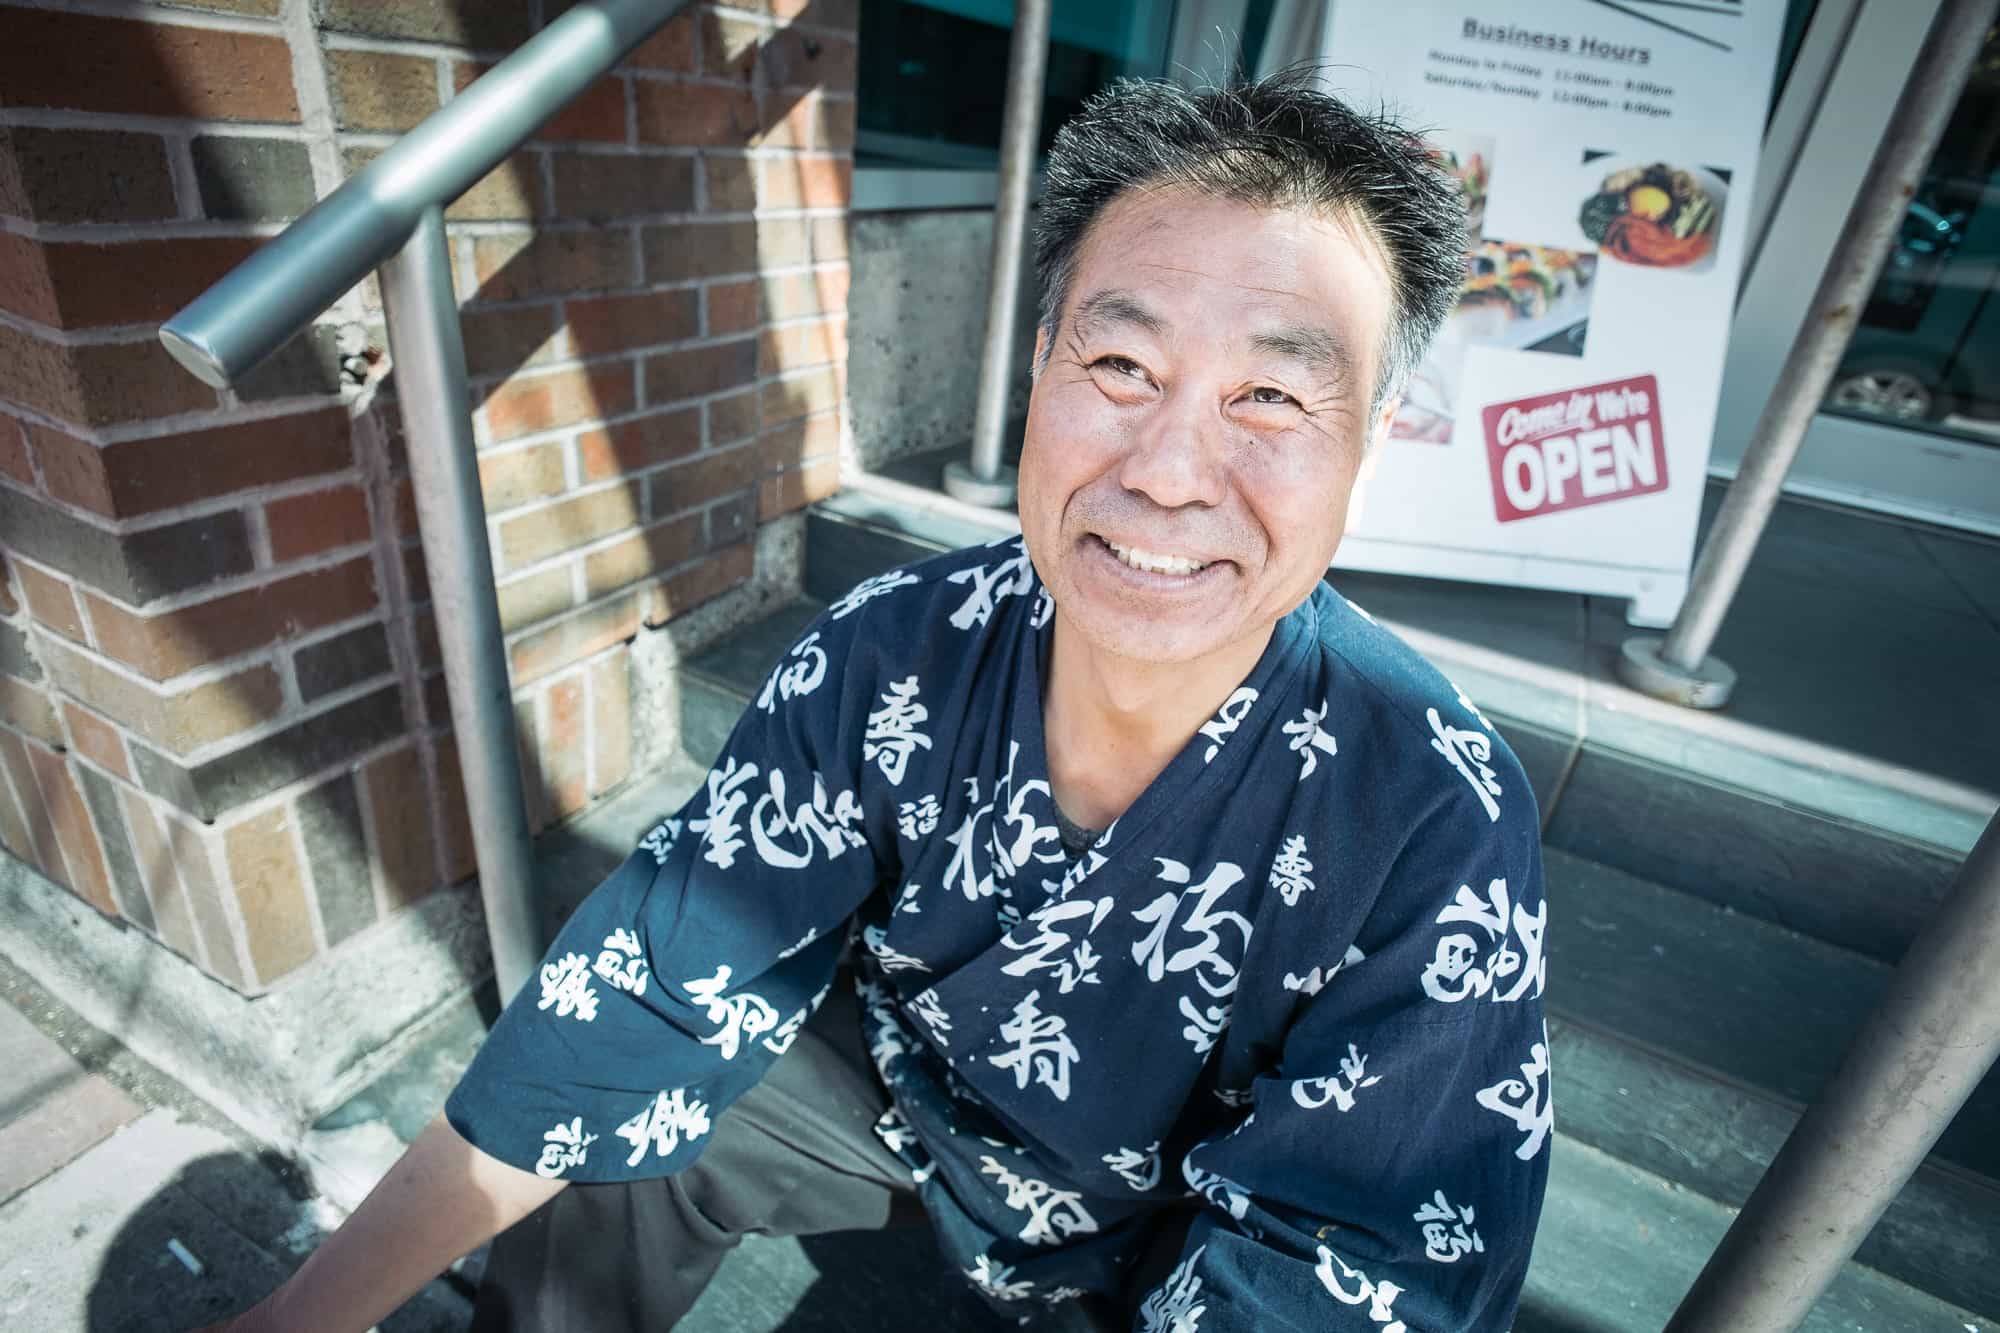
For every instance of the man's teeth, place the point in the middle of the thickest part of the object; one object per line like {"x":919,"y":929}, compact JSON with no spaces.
{"x":1153,"y":562}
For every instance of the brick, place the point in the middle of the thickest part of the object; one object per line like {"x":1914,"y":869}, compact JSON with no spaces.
{"x":696,"y":371}
{"x":128,"y":890}
{"x":801,"y":395}
{"x":553,"y":263}
{"x":15,"y":656}
{"x":729,"y":183}
{"x":514,"y":478}
{"x":621,"y":185}
{"x":535,"y":802}
{"x":732,"y":307}
{"x":84,"y":285}
{"x":638,"y":443}
{"x":544,"y":401}
{"x":400,"y":813}
{"x":799,"y":346}
{"x":693,"y":115}
{"x":799,"y":441}
{"x":336,"y":846}
{"x":14,"y":836}
{"x":736,"y":417}
{"x":501,"y":340}
{"x":604,"y":325}
{"x":540,"y":595}
{"x":704,"y":479}
{"x":800,"y":181}
{"x":820,"y":291}
{"x":610,"y":722}
{"x":51,"y":602}
{"x":252,"y":180}
{"x":568,"y":523}
{"x":802,"y":60}
{"x":374,"y":90}
{"x":172,"y":921}
{"x":303,"y":525}
{"x":97,"y":740}
{"x":728,"y":46}
{"x":29,"y":709}
{"x":97,"y":383}
{"x":308,"y":746}
{"x":205,"y":902}
{"x":493,"y":25}
{"x":454,"y":824}
{"x":145,"y":476}
{"x":172,"y":642}
{"x":700,"y":582}
{"x":179,"y":721}
{"x":678,"y":251}
{"x":797,"y":488}
{"x":70,"y":820}
{"x":641,"y":555}
{"x":670,"y":49}
{"x":10,"y":603}
{"x":15,"y":460}
{"x":809,"y":122}
{"x":271,"y":891}
{"x":829,"y":238}
{"x":732,"y":520}
{"x":136,"y":567}
{"x":83,"y":62}
{"x":41,"y":834}
{"x":576,"y":637}
{"x":254,"y":8}
{"x":565,"y":746}
{"x":84,"y":175}
{"x":345,"y":659}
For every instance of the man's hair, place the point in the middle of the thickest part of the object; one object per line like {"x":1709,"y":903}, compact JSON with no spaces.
{"x":1277,"y":142}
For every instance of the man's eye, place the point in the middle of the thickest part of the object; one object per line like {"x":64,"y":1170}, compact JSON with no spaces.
{"x":1122,"y":365}
{"x":1266,"y":395}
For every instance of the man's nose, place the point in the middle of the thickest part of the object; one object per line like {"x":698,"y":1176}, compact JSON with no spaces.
{"x":1178,"y":457}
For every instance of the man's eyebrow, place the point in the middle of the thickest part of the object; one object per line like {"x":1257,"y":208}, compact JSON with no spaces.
{"x":1114,"y":306}
{"x":1320,"y":349}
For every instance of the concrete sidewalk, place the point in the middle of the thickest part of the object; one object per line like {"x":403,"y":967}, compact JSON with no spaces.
{"x":127,"y":1204}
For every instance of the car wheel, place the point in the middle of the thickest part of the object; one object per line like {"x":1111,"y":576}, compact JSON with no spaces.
{"x":1892,"y":393}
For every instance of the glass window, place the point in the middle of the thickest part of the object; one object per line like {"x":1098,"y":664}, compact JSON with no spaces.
{"x":933,"y":74}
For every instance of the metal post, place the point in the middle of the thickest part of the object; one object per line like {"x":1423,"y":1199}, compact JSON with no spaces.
{"x":1913,"y":1064}
{"x":428,"y":352}
{"x":1678,"y":668}
{"x":986,"y":480}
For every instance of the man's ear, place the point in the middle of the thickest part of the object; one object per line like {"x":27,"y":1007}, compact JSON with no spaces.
{"x":1041,"y":348}
{"x":1378,"y":429}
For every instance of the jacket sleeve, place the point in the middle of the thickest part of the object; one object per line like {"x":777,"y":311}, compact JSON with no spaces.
{"x":684,"y":975}
{"x":1390,"y":1171}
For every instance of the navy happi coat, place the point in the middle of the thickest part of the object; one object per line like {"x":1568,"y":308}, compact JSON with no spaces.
{"x":1301,"y":977}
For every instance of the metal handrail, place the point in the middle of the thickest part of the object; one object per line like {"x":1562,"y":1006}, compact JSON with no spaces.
{"x":290,"y":280}
{"x":391,"y":216}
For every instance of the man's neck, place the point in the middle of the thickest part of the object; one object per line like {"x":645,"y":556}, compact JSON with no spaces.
{"x":1112,"y":724}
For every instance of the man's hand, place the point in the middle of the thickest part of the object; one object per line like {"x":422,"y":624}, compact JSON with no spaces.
{"x":442,"y":1199}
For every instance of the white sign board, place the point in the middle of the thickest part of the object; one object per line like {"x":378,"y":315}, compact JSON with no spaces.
{"x":1558,"y":435}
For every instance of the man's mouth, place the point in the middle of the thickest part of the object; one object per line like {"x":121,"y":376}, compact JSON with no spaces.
{"x":1155,"y":562}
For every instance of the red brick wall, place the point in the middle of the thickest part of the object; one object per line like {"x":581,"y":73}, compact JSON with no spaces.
{"x":222,"y":716}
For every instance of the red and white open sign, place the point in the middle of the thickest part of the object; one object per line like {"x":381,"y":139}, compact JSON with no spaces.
{"x":1577,"y":447}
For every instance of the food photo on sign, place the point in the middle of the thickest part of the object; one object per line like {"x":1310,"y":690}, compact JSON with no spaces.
{"x":1652,"y":214}
{"x":1516,"y":295}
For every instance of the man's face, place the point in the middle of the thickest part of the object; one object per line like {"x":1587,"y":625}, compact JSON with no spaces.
{"x":1195,"y":435}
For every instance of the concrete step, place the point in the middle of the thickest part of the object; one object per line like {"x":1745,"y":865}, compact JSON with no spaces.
{"x":1688,"y":1038}
{"x":1619,"y":1246}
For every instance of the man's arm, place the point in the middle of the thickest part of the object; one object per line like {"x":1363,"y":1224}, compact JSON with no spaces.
{"x":441,"y":1199}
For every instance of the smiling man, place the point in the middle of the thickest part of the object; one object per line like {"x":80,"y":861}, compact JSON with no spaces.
{"x":1194,"y":923}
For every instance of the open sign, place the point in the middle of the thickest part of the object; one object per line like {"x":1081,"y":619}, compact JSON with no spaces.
{"x":1576,"y":447}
